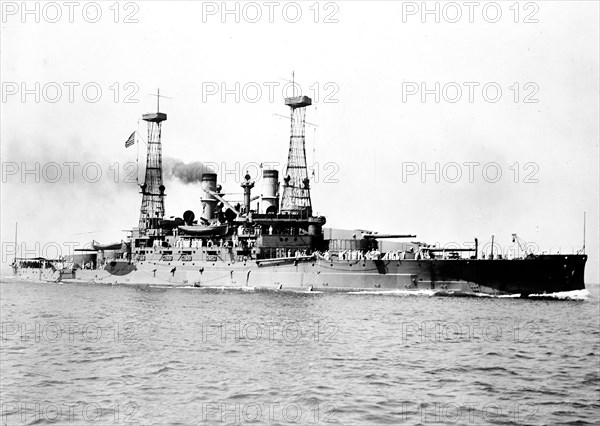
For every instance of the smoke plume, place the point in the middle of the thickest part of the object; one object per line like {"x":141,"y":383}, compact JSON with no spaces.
{"x":186,"y":173}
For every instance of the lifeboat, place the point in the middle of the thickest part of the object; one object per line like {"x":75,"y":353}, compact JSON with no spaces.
{"x":203,"y":230}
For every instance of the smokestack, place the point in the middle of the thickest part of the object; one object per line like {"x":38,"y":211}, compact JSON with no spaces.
{"x":209,"y":202}
{"x":270,"y":192}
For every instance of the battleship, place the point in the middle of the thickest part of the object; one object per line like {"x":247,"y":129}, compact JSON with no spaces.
{"x":279,"y":244}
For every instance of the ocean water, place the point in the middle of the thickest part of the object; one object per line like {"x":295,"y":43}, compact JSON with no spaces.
{"x":92,"y":354}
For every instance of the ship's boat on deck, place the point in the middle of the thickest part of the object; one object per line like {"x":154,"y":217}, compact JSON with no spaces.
{"x":204,"y":230}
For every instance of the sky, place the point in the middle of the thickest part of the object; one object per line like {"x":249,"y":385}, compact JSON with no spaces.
{"x":443,"y":120}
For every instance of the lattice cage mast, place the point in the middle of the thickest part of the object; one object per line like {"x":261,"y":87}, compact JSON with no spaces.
{"x":153,"y":190}
{"x":296,"y":185}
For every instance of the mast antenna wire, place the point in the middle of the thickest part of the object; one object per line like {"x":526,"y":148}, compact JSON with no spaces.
{"x":137,"y":156}
{"x":93,"y":232}
{"x":583,"y":249}
{"x":314,"y":150}
{"x":293,"y":82}
{"x":16,"y":242}
{"x":287,"y":118}
{"x":158,"y":96}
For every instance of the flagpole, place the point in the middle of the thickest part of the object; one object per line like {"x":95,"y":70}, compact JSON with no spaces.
{"x":137,"y":157}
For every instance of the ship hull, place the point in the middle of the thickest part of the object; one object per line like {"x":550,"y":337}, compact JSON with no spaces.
{"x":540,"y":274}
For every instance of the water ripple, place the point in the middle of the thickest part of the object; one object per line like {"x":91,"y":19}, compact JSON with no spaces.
{"x":170,"y":356}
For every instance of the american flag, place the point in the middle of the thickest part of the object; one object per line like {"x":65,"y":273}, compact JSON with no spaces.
{"x":130,"y":141}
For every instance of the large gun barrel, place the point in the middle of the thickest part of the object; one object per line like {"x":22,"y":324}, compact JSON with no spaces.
{"x":436,"y":249}
{"x":382,"y":236}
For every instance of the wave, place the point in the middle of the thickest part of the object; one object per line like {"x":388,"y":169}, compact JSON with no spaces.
{"x":564,"y":295}
{"x":397,"y":292}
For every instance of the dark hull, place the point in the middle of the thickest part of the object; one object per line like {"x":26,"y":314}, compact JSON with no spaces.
{"x":544,"y":273}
